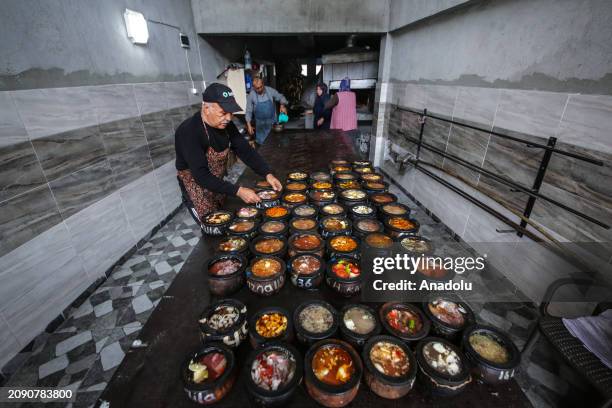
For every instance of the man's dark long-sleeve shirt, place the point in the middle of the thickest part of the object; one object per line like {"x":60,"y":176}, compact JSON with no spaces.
{"x":191,"y":145}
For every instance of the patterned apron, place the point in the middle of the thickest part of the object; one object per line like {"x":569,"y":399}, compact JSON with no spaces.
{"x":199,"y":200}
{"x":265,"y":115}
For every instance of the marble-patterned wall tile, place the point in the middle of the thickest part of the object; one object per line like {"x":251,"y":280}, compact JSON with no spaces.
{"x":101,"y":234}
{"x":159,"y":131}
{"x":29,"y":315}
{"x":82,"y":188}
{"x":33,"y":262}
{"x":476,"y":106}
{"x":452,"y":209}
{"x":469,"y":145}
{"x":25,"y":216}
{"x":126,"y":149}
{"x":440,"y":100}
{"x":586,"y":180}
{"x":196,"y":99}
{"x":142,"y":204}
{"x":129,"y":166}
{"x":514,"y":161}
{"x":178,"y":115}
{"x":168,"y":186}
{"x":49,"y":111}
{"x":397,"y":93}
{"x":587,"y":121}
{"x":113,"y":102}
{"x":20,"y":170}
{"x":435,"y":134}
{"x":530,"y":112}
{"x":177,"y":93}
{"x":12,"y":129}
{"x":415,"y":97}
{"x":425,"y":189}
{"x":571,"y":227}
{"x":150,"y":97}
{"x":64,"y":153}
{"x":536,"y":267}
{"x":8,"y":343}
{"x":122,"y":135}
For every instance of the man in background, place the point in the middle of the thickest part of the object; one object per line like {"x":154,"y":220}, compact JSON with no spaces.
{"x":261,"y":106}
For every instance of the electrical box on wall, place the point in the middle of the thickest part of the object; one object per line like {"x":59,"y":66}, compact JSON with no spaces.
{"x":184,"y":40}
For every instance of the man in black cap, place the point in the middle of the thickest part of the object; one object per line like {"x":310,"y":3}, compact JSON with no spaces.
{"x":203,"y":143}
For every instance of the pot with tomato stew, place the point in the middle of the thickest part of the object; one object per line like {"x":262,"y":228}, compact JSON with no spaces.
{"x":266,"y":275}
{"x":306,"y":271}
{"x":333,"y":373}
{"x":306,"y":243}
{"x":404,"y":320}
{"x":399,"y":227}
{"x":269,"y":245}
{"x":344,"y":276}
{"x":343,"y":246}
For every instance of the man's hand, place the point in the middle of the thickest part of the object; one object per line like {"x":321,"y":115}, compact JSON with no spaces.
{"x":247,"y":195}
{"x":283,"y":109}
{"x":320,"y":121}
{"x":250,"y":129}
{"x":276,"y":185}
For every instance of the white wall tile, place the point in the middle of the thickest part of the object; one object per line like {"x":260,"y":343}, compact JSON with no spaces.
{"x":150,"y":97}
{"x":531,"y":112}
{"x":101,"y":234}
{"x":476,"y":105}
{"x":168,"y":186}
{"x":12,"y":129}
{"x":587,"y":122}
{"x":440,"y":100}
{"x":415,"y":97}
{"x":54,"y":110}
{"x":8,"y":342}
{"x":177,"y":93}
{"x":113,"y":102}
{"x":29,"y":315}
{"x":142,"y":204}
{"x":34,"y":262}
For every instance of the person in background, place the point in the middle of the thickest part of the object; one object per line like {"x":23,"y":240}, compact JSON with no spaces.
{"x":202,"y":143}
{"x":260,"y":105}
{"x":344,"y":113}
{"x":322,"y":116}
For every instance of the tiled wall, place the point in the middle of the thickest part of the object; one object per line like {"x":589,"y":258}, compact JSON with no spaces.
{"x":85,"y":173}
{"x":580,"y":122}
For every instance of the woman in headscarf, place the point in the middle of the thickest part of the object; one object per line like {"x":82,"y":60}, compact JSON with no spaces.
{"x":322,"y":115}
{"x":344,"y":104}
{"x":344,"y":113}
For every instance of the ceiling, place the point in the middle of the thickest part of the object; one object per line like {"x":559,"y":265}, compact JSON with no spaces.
{"x":282,"y":47}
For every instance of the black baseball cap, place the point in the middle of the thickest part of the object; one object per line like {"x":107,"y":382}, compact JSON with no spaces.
{"x":222,"y":95}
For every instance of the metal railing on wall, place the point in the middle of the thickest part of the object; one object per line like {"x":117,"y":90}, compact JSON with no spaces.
{"x":533,"y":192}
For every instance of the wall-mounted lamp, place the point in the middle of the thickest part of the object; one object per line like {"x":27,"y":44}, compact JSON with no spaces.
{"x":136,"y":26}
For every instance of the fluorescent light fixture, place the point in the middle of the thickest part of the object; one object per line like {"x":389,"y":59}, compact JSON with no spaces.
{"x":304,"y":70}
{"x":317,"y":69}
{"x":136,"y":26}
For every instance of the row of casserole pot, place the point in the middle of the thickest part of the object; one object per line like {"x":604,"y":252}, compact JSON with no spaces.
{"x":317,"y":232}
{"x":436,"y":344}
